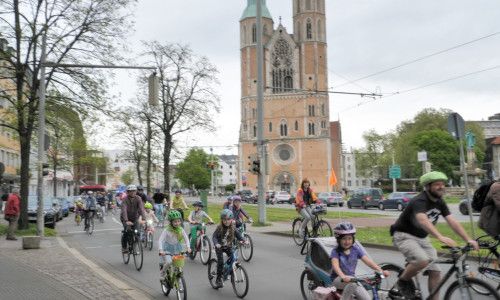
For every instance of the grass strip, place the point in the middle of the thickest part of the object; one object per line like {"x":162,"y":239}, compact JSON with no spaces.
{"x":31,"y":231}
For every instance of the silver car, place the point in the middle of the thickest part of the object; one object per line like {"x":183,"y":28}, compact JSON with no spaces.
{"x":332,"y":198}
{"x":282,"y":196}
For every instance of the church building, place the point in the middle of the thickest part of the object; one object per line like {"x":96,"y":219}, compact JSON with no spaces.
{"x":300,"y":140}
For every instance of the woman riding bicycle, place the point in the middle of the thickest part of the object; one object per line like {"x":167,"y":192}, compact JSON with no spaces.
{"x":305,"y":197}
{"x":178,"y":203}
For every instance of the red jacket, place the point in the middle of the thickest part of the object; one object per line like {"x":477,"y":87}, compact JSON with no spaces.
{"x":12,"y":207}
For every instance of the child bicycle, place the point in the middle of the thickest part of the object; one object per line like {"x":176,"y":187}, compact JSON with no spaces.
{"x":147,"y":235}
{"x":174,"y":278}
{"x":246,"y":251}
{"x":203,"y":246}
{"x":464,"y":287}
{"x":239,"y":277}
{"x":320,"y":227}
{"x":78,"y":217}
{"x":134,"y":247}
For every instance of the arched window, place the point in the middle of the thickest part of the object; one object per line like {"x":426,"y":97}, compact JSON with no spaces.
{"x":244,"y":35}
{"x":282,"y":72}
{"x":311,"y":110}
{"x":308,"y":4}
{"x":264,"y":29}
{"x":244,"y":113}
{"x":298,"y":6}
{"x":288,"y":84}
{"x":308,"y":30}
{"x":270,"y":127}
{"x":255,"y":130}
{"x":323,"y":109}
{"x":254,"y":113}
{"x":283,"y":129}
{"x":254,"y":33}
{"x":296,"y":125}
{"x":310,"y":128}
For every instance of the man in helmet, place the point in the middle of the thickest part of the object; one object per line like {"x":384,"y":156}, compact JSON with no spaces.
{"x":90,"y":205}
{"x":132,"y":207}
{"x":140,"y":193}
{"x":159,"y":200}
{"x":415,"y":223}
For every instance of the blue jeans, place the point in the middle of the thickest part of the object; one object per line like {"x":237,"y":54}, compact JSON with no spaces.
{"x":124,"y":236}
{"x":159,"y":210}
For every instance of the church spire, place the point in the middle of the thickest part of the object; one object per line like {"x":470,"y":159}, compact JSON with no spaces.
{"x":251,"y":10}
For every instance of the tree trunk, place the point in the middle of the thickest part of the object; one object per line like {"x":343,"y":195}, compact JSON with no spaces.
{"x":25,"y":180}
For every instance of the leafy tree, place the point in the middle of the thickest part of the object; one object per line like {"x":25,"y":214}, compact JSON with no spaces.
{"x":128,"y":177}
{"x":229,"y":188}
{"x":374,"y":155}
{"x":193,"y":170}
{"x":77,"y":32}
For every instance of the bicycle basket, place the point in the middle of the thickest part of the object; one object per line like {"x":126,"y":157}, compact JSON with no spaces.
{"x":319,"y":210}
{"x":178,"y":261}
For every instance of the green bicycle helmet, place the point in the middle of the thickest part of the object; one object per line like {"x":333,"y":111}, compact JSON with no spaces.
{"x":431,"y":177}
{"x":174,"y":214}
{"x":148,"y":205}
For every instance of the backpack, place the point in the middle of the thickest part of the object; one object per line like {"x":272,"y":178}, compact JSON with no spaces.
{"x":480,"y":196}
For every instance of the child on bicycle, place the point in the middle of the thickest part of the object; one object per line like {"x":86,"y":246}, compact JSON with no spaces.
{"x":345,"y":258}
{"x":239,"y":213}
{"x":170,"y":241}
{"x":228,"y":203}
{"x":150,"y":215}
{"x":79,"y":209}
{"x":223,"y":237}
{"x":195,"y":218}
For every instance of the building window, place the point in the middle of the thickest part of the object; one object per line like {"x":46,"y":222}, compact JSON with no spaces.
{"x":282,"y":73}
{"x":357,"y":182}
{"x":348,"y":167}
{"x":349,"y":174}
{"x":245,"y":113}
{"x":254,"y":113}
{"x":349,"y":183}
{"x":296,"y":125}
{"x":245,"y":127}
{"x":221,"y":167}
{"x":323,"y":124}
{"x":311,"y":128}
{"x":254,"y":130}
{"x":254,"y":33}
{"x":308,"y":30}
{"x":298,"y":5}
{"x":364,"y":182}
{"x":270,"y":127}
{"x":323,"y":109}
{"x":230,"y":166}
{"x":283,"y":129}
{"x":311,"y":110}
{"x":348,"y":159}
{"x":308,"y":4}
{"x":230,"y":173}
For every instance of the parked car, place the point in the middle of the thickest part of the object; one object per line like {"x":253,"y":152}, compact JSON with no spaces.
{"x":245,"y":195}
{"x":63,"y":202}
{"x":331,"y":198}
{"x":282,"y":196}
{"x":364,"y":198}
{"x":49,"y":210}
{"x":254,"y":198}
{"x":397,"y":200}
{"x":464,"y":209}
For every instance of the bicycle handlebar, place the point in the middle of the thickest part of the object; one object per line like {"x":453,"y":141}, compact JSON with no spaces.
{"x":375,"y":276}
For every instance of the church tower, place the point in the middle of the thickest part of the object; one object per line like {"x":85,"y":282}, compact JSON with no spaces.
{"x":298,"y":141}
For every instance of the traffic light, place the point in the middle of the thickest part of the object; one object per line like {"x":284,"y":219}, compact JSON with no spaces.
{"x":254,"y":164}
{"x":212,"y":165}
{"x":45,"y":172}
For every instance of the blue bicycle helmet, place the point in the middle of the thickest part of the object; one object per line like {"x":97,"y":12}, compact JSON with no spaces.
{"x":226,"y":214}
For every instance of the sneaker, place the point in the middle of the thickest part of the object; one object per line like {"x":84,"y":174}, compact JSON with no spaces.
{"x":218,"y":282}
{"x":162,"y":276}
{"x":406,"y":289}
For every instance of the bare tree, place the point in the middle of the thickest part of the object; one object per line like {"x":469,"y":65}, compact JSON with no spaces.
{"x":188,"y":100}
{"x":78,"y":32}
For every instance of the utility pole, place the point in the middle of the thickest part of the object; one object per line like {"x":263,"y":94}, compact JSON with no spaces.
{"x":260,"y":115}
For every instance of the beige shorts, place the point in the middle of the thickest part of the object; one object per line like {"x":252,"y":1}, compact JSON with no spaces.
{"x":415,"y":249}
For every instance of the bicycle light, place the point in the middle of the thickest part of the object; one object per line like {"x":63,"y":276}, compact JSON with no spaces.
{"x":466,"y":267}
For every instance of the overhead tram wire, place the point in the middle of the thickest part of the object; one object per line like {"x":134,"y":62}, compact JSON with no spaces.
{"x":419,"y":59}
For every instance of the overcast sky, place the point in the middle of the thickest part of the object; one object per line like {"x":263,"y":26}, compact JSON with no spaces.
{"x":364,"y":38}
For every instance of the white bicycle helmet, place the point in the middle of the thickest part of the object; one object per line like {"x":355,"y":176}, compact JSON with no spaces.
{"x":131,"y":188}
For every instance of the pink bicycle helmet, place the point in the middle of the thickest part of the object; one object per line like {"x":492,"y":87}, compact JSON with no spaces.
{"x":343,"y":229}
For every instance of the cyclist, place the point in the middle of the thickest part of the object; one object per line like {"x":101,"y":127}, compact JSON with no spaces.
{"x":224,"y":236}
{"x":90,"y":205}
{"x":150,"y":215}
{"x":101,"y":201}
{"x":411,"y":230}
{"x":239,"y":213}
{"x":305,"y":197}
{"x":195,"y":218}
{"x":228,"y":203}
{"x":178,"y":203}
{"x":140,"y":193}
{"x":78,"y":208}
{"x":170,"y":241}
{"x":132,"y":207}
{"x":344,"y":258}
{"x":159,"y":200}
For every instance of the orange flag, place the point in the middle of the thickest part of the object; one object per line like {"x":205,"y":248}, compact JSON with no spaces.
{"x":333,"y":178}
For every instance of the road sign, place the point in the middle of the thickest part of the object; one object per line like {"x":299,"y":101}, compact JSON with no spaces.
{"x":456,"y":126}
{"x":394,"y":172}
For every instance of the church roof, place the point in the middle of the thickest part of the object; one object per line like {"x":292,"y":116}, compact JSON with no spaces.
{"x":251,"y":10}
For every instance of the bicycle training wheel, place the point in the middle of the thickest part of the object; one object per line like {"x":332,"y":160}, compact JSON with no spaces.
{"x":295,"y":232}
{"x":205,"y":250}
{"x":239,"y":280}
{"x":324,"y":229}
{"x":150,"y":240}
{"x":247,"y":250}
{"x":470,"y":288}
{"x":307,"y":284}
{"x":181,"y":288}
{"x":91,"y":226}
{"x":137,"y":252}
{"x":212,"y":272}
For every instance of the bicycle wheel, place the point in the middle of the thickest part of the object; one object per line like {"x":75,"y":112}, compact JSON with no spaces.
{"x":212,"y":272}
{"x":165,"y":286}
{"x":486,"y":267}
{"x":307,"y":284}
{"x":205,"y":250}
{"x":78,"y":220}
{"x":91,"y":226}
{"x":137,"y":252}
{"x":239,"y":280}
{"x":247,"y":250}
{"x":324,"y":229}
{"x":394,"y":270}
{"x":181,"y":288}
{"x":295,"y":231}
{"x":470,"y":290}
{"x":192,"y":255}
{"x":144,"y":240}
{"x":150,"y":240}
{"x":126,"y":256}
